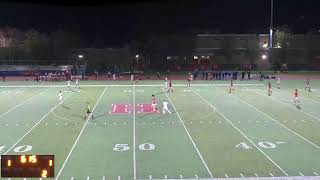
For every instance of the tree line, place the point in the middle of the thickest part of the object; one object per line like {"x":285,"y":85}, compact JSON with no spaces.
{"x":34,"y":45}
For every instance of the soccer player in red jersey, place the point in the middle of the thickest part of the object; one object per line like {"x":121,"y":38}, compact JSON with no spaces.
{"x":231,"y":86}
{"x":296,"y":99}
{"x":189,"y":80}
{"x":170,"y":87}
{"x":153,"y":103}
{"x":269,"y":89}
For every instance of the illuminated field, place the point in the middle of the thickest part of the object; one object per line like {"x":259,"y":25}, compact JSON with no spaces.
{"x":209,"y":134}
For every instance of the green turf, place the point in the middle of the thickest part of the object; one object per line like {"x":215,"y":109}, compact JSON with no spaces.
{"x":210,"y":133}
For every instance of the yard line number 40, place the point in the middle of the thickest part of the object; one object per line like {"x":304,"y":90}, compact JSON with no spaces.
{"x":142,"y":147}
{"x":262,"y":144}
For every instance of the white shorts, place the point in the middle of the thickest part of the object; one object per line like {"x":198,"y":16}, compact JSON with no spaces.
{"x":60,"y":98}
{"x":153,"y":106}
{"x":296,"y":98}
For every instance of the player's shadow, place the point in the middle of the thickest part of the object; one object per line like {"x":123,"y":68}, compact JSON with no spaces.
{"x":298,"y":107}
{"x":65,"y":107}
{"x":99,"y":116}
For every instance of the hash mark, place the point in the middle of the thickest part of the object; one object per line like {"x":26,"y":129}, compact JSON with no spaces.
{"x":72,"y":178}
{"x":196,"y":176}
{"x":256,"y":174}
{"x":226,"y":175}
{"x":88,"y":178}
{"x":150,"y":176}
{"x":181,"y":176}
{"x":315,"y":173}
{"x":165,"y":176}
{"x":300,"y":174}
{"x":241,"y":175}
{"x":103,"y":178}
{"x":119,"y":177}
{"x":271,"y":174}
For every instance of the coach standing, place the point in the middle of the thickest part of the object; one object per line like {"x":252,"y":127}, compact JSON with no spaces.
{"x":3,"y":76}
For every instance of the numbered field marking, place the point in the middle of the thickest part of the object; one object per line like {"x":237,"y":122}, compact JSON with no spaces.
{"x":121,"y":147}
{"x":267,"y":145}
{"x":262,"y":144}
{"x":243,"y":145}
{"x":147,"y":147}
{"x":126,"y":147}
{"x":23,"y":148}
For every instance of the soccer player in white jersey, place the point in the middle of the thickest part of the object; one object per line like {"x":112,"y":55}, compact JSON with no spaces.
{"x":278,"y":82}
{"x":77,"y":84}
{"x":165,"y":86}
{"x":165,"y":107}
{"x":60,"y":97}
{"x":69,"y":85}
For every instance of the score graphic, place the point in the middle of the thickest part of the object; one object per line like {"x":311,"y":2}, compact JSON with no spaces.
{"x":23,"y":166}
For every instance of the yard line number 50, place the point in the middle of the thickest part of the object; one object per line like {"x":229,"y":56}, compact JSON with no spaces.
{"x":142,"y":147}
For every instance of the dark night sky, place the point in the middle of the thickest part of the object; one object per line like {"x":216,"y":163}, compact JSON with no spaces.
{"x":117,"y":23}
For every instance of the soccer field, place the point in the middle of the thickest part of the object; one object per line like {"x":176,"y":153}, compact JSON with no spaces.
{"x":210,"y":133}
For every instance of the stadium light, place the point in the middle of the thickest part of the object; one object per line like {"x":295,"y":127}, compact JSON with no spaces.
{"x":137,"y":56}
{"x":264,"y":56}
{"x":80,"y":56}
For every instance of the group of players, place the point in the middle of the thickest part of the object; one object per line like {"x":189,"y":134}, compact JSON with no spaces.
{"x":167,"y":87}
{"x":296,"y":99}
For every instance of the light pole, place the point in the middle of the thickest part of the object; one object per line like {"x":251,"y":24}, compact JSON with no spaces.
{"x":271,"y":25}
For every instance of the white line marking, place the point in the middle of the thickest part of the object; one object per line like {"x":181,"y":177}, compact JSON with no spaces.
{"x":15,"y":107}
{"x":103,"y":178}
{"x":88,"y":178}
{"x":242,"y":134}
{"x":241,"y":175}
{"x":72,"y":178}
{"x":125,"y":85}
{"x":301,"y":174}
{"x":196,"y":176}
{"x":150,"y":176}
{"x":194,"y":145}
{"x":256,"y":174}
{"x":271,"y":174}
{"x":165,"y":177}
{"x":277,"y":122}
{"x":181,"y":176}
{"x":75,"y":143}
{"x":114,"y":108}
{"x":119,"y":177}
{"x":226,"y":175}
{"x":35,"y":126}
{"x":134,"y":132}
{"x":315,"y":173}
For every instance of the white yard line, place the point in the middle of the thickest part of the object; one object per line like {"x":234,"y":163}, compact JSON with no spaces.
{"x":126,"y":85}
{"x":134,"y":131}
{"x":241,"y":132}
{"x":35,"y":125}
{"x":274,"y":120}
{"x":76,"y":142}
{"x":194,"y":145}
{"x":289,"y":105}
{"x":15,"y":107}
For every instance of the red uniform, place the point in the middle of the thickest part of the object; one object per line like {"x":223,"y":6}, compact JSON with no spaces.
{"x":296,"y":94}
{"x":153,"y":100}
